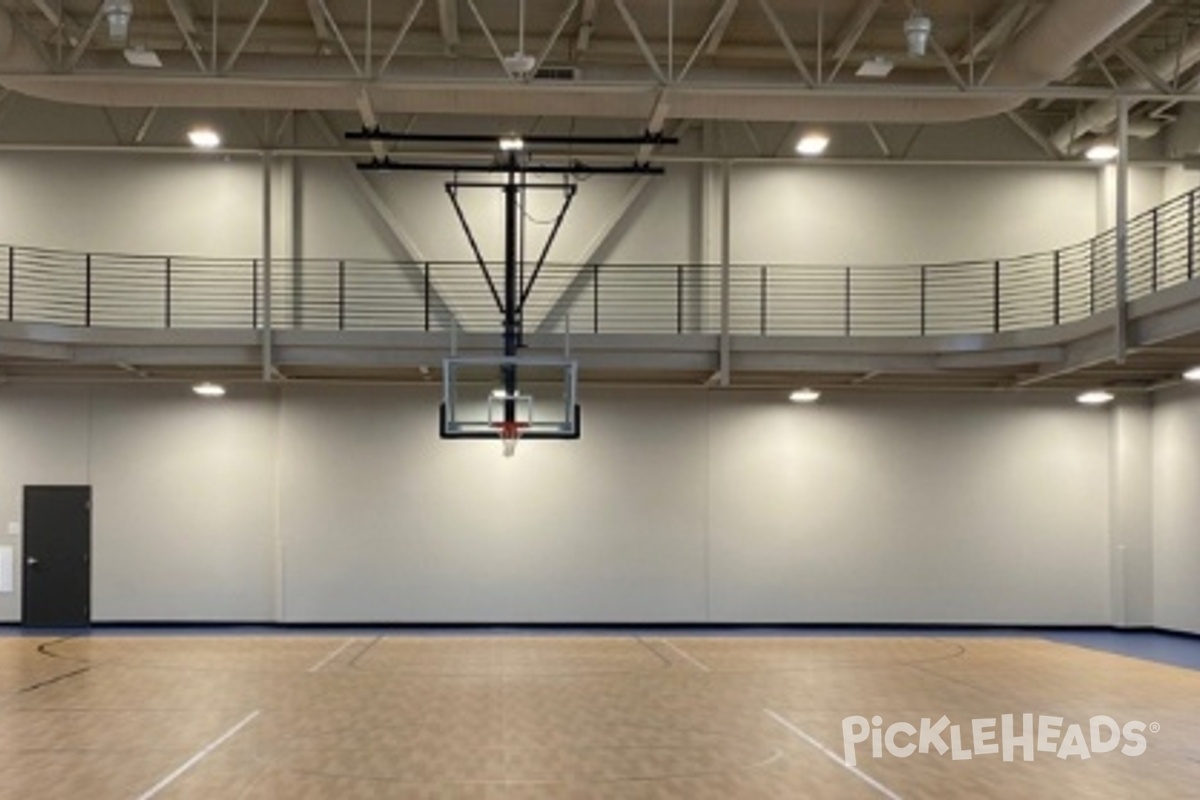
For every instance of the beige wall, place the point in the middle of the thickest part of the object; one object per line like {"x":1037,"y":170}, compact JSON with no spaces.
{"x":341,"y":504}
{"x":1177,"y":509}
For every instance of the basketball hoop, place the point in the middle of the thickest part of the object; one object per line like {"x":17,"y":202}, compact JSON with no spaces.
{"x":510,"y":435}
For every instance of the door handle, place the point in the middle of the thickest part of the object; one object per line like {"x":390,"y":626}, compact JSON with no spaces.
{"x":31,"y":561}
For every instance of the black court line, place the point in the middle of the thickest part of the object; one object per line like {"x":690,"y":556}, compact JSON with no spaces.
{"x":49,"y":681}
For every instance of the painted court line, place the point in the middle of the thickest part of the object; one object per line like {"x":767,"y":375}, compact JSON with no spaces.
{"x":331,"y":656}
{"x":196,"y":759}
{"x":686,"y":655}
{"x":864,"y":777}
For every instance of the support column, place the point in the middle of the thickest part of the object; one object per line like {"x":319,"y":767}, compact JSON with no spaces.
{"x":1131,"y":542}
{"x":512,"y":323}
{"x":724,"y":369}
{"x":1122,"y":230}
{"x":268,"y":366}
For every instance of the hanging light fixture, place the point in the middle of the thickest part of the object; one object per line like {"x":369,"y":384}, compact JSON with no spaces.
{"x":118,"y":14}
{"x":917,"y":30}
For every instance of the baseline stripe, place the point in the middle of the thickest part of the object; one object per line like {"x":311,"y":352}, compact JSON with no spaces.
{"x":196,"y":759}
{"x":858,"y":773}
{"x":686,"y":655}
{"x":331,"y":656}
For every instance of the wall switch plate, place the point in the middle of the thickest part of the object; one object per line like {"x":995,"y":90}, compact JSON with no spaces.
{"x":14,"y":529}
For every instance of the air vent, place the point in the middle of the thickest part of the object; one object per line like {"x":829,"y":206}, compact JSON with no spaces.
{"x":556,"y":74}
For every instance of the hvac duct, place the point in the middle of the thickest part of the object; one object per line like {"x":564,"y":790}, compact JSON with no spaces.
{"x":1099,"y":116}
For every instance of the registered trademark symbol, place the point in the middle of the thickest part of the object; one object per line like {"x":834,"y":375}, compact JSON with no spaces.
{"x":1155,"y":727}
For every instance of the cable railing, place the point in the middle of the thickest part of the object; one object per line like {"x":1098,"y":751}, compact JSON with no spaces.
{"x":40,"y":285}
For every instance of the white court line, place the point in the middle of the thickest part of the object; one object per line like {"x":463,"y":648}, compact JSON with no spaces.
{"x":196,"y":759}
{"x":688,"y":656}
{"x":874,"y":784}
{"x":331,"y":656}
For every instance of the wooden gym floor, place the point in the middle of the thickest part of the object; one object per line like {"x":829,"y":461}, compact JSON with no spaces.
{"x":565,"y":716}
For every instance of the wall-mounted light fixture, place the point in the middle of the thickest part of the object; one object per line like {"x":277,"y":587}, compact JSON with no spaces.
{"x":209,"y":389}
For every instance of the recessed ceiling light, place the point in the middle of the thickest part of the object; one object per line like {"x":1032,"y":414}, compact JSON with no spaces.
{"x":1102,"y":152}
{"x":1192,"y":374}
{"x":1095,"y":397}
{"x":209,"y":389}
{"x":204,"y":138}
{"x":804,"y":396}
{"x":812,"y":144}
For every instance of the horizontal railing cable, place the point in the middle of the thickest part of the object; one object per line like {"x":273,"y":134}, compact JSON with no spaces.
{"x":935,"y":299}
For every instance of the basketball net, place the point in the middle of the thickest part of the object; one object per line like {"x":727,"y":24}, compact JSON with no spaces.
{"x":510,"y":435}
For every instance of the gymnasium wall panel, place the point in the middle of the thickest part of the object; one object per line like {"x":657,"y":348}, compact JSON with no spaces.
{"x":44,"y":439}
{"x":184,"y":504}
{"x":909,"y":508}
{"x":382,"y":521}
{"x":1176,"y":454}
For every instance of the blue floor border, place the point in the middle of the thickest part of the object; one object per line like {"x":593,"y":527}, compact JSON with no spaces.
{"x":1173,"y":648}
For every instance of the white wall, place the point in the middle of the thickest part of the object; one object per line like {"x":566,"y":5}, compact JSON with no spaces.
{"x":340,"y":504}
{"x":44,"y":439}
{"x":807,"y":214}
{"x":1177,"y":509}
{"x":907,"y":215}
{"x":205,"y":205}
{"x":939,"y":509}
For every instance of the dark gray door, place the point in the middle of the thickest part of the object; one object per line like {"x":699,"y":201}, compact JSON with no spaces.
{"x":57,"y":585}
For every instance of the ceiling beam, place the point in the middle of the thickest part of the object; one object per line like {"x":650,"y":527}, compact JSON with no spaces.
{"x":647,"y":53}
{"x":448,"y":23}
{"x":719,"y":22}
{"x":786,"y":39}
{"x":86,"y":39}
{"x":332,"y":25}
{"x":487,"y":33}
{"x":717,"y":33}
{"x":563,"y":19}
{"x":403,"y":32}
{"x":66,"y":27}
{"x":246,"y":34}
{"x":185,"y":20}
{"x":324,"y":39}
{"x":658,"y":117}
{"x":1034,"y":135}
{"x":880,"y":141}
{"x":1000,"y":30}
{"x":948,"y":63}
{"x":1147,"y":72}
{"x":852,"y":32}
{"x":370,"y":121}
{"x":587,"y":21}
